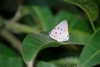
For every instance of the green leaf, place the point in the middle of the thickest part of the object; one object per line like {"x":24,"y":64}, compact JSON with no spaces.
{"x":10,"y":62}
{"x":9,"y":58}
{"x":91,"y":53}
{"x":88,"y":6}
{"x":28,"y":20}
{"x":7,"y":52}
{"x":79,"y":37}
{"x":33,"y":43}
{"x":45,"y":64}
{"x":43,"y":14}
{"x":67,"y":60}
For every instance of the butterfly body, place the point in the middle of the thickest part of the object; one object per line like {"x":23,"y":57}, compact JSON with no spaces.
{"x":60,"y":32}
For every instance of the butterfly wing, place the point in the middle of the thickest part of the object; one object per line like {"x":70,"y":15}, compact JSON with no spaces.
{"x":60,"y":32}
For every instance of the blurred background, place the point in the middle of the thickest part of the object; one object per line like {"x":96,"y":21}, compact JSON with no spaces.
{"x":21,"y":17}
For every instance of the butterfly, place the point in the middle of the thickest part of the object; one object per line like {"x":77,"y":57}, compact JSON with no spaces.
{"x":60,"y":32}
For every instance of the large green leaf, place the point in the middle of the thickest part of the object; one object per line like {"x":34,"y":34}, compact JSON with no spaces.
{"x":88,"y":6}
{"x":91,"y":53}
{"x":33,"y":43}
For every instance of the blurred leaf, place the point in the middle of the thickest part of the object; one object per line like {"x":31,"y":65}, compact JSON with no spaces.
{"x":79,"y":37}
{"x":91,"y":53}
{"x":8,"y":58}
{"x":88,"y":6}
{"x":97,"y":2}
{"x":10,"y":62}
{"x":28,"y":20}
{"x":45,"y":64}
{"x":43,"y":14}
{"x":61,"y":15}
{"x":7,"y":52}
{"x":1,"y":21}
{"x":67,"y":60}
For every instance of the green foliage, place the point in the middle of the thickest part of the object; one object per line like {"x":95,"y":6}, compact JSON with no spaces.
{"x":27,"y":34}
{"x":91,"y":53}
{"x":44,"y":64}
{"x":92,"y":11}
{"x":33,"y":43}
{"x":7,"y":52}
{"x":9,"y":57}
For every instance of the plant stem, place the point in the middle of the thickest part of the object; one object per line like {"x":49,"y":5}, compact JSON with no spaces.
{"x":94,"y":29}
{"x":22,"y":28}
